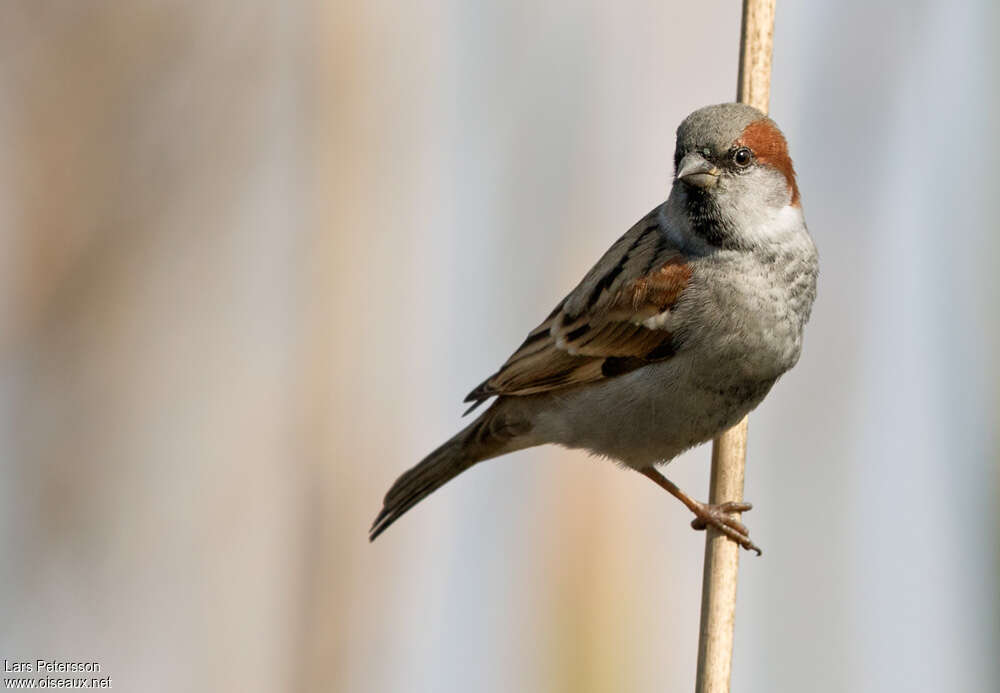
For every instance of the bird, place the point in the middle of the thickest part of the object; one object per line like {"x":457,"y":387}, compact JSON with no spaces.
{"x":679,"y":330}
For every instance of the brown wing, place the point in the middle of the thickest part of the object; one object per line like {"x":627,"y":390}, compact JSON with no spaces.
{"x":616,"y":320}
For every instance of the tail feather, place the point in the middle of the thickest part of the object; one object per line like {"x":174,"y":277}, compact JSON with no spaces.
{"x":490,"y":435}
{"x":442,"y":465}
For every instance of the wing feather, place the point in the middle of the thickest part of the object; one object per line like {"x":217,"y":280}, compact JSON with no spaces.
{"x":617,"y":319}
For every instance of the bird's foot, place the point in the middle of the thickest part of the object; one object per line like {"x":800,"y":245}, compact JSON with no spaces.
{"x":709,"y":514}
{"x":719,"y":517}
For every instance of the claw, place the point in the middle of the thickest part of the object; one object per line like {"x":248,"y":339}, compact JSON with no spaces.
{"x":717,"y":516}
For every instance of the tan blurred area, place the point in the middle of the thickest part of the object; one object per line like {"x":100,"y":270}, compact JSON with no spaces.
{"x":253,"y":255}
{"x":155,"y":211}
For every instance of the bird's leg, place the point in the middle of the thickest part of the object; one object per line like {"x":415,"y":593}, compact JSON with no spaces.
{"x":707,"y":514}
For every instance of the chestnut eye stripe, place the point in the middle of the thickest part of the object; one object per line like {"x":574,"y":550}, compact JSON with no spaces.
{"x":769,"y":148}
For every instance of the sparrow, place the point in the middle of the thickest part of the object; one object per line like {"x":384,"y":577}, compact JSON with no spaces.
{"x":678,"y":331}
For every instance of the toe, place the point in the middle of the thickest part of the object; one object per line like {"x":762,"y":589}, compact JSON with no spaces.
{"x":719,"y":516}
{"x":736,"y":525}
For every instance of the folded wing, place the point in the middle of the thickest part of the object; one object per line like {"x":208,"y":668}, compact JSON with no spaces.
{"x":618,"y":319}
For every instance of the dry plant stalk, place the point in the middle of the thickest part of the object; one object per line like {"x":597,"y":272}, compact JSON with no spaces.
{"x":722,"y":555}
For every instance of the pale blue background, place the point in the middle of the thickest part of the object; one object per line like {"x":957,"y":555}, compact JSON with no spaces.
{"x":254,"y":254}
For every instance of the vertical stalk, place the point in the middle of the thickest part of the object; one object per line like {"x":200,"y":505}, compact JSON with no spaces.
{"x":722,"y":555}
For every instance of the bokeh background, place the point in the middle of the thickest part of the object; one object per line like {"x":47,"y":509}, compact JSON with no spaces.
{"x":253,"y":254}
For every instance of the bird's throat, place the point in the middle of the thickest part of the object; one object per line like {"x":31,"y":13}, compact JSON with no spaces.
{"x":707,"y":220}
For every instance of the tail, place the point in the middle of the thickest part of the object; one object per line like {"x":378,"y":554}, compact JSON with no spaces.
{"x":494,"y":433}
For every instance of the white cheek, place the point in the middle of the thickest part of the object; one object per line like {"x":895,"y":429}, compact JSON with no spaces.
{"x":759,"y":202}
{"x":775,"y":225}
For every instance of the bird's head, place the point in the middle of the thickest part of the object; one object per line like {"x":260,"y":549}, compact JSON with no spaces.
{"x":732,"y":170}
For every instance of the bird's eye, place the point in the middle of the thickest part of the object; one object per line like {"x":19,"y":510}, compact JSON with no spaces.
{"x":742,"y":157}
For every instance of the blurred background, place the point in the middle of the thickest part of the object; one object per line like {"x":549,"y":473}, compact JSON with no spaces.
{"x":253,"y":255}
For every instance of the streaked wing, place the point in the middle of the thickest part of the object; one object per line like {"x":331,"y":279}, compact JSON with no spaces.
{"x":616,"y":320}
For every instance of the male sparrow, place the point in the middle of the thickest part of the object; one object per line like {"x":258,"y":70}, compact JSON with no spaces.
{"x":675,"y":334}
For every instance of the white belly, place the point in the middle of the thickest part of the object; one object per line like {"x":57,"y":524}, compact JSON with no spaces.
{"x":649,"y":415}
